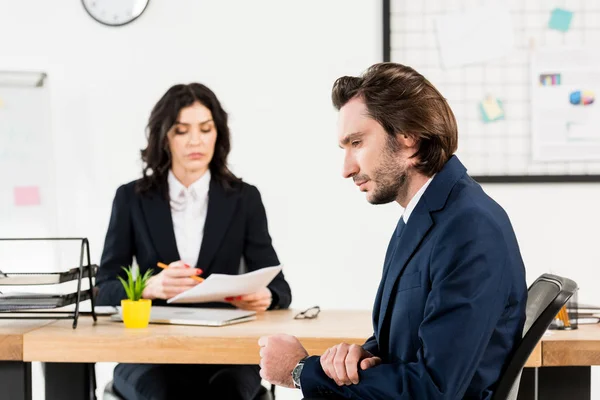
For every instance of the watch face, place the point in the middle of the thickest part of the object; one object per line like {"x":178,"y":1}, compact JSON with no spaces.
{"x":296,"y":374}
{"x":115,"y":12}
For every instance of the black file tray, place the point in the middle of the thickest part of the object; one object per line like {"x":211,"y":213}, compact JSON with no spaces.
{"x":39,"y":301}
{"x":40,"y":305}
{"x":44,"y":278}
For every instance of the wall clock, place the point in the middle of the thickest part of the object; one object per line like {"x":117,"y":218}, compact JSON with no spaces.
{"x":115,"y":12}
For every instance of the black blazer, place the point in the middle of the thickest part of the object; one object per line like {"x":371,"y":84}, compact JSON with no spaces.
{"x":141,"y":226}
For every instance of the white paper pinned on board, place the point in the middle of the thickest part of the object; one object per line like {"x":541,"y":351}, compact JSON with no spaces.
{"x":219,"y":286}
{"x":565,"y":113}
{"x":475,"y":35}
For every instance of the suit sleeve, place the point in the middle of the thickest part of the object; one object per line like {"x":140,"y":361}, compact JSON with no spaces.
{"x":469,"y":290}
{"x":372,"y":346}
{"x":259,"y":251}
{"x":118,"y":252}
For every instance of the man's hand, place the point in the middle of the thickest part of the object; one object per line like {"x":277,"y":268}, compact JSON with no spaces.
{"x":258,"y":301}
{"x":171,"y":281}
{"x":341,"y":362}
{"x":279,"y":354}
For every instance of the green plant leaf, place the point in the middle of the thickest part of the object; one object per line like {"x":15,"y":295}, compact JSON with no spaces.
{"x":139,"y":288}
{"x":126,"y":287}
{"x":135,"y":284}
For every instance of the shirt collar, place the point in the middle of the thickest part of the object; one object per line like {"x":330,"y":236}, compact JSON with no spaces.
{"x":415,"y":200}
{"x":197,"y":190}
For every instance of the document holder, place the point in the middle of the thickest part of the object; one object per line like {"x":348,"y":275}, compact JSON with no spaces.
{"x":31,"y":305}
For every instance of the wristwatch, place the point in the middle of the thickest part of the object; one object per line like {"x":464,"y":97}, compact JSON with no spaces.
{"x":297,"y":371}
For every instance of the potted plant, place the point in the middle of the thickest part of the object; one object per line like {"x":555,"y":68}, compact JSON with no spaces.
{"x":135,"y":310}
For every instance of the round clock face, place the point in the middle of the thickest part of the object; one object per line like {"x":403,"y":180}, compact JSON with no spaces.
{"x":115,"y":12}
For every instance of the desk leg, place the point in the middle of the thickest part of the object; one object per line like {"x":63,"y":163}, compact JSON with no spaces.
{"x":528,"y":384}
{"x":565,"y":383}
{"x":15,"y":380}
{"x":70,"y":381}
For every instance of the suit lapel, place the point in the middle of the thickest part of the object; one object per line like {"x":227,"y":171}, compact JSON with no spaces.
{"x":418,"y":225}
{"x":416,"y":229}
{"x":221,"y":207}
{"x":391,"y":251}
{"x":157,"y":213}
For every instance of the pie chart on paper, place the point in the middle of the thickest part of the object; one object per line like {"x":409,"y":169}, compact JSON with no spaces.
{"x":581,"y":97}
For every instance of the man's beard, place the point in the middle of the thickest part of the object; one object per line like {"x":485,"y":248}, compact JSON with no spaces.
{"x":389,"y":185}
{"x":390,"y":177}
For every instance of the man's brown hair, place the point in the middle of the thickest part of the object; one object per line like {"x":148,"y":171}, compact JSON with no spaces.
{"x":405,"y":103}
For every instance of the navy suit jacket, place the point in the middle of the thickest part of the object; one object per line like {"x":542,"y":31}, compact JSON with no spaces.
{"x":450,"y":308}
{"x":141,"y":226}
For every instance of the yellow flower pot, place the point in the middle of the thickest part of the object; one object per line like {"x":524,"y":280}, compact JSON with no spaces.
{"x":136,"y":314}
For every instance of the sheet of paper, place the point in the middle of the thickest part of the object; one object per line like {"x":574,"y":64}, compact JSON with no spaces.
{"x":475,"y":35}
{"x":560,"y":19}
{"x":27,"y":196}
{"x":218,"y":286}
{"x":565,"y":116}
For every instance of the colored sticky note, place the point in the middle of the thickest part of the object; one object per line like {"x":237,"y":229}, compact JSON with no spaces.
{"x":491,"y":109}
{"x":27,"y":196}
{"x":560,"y":19}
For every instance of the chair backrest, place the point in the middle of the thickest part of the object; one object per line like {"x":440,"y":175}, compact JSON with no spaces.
{"x":545,"y":298}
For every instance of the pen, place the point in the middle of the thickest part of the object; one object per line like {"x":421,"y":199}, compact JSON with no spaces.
{"x":165,"y":266}
{"x":565,"y":316}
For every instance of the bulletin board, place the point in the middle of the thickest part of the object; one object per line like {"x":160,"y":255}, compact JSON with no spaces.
{"x":27,"y":170}
{"x":511,"y":70}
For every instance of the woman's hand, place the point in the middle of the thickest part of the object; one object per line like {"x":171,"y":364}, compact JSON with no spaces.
{"x":171,"y":281}
{"x":259,"y":301}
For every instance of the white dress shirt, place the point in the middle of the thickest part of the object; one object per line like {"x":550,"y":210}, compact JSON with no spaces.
{"x":188,"y":210}
{"x":414,"y":201}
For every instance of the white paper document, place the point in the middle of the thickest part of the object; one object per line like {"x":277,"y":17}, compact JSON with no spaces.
{"x":565,"y":113}
{"x":218,"y":286}
{"x":476,"y":35}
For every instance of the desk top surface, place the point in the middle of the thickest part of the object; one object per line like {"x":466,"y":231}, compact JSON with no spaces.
{"x":572,"y":347}
{"x":11,"y":336}
{"x":236,"y":344}
{"x":587,"y":333}
{"x":56,"y":341}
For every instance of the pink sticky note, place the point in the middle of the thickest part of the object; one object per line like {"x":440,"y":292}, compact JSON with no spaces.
{"x":27,"y":196}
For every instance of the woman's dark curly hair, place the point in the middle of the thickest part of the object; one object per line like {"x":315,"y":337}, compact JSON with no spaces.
{"x":157,"y":157}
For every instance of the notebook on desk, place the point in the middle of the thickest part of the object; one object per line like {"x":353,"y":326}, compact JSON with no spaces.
{"x":195,"y":316}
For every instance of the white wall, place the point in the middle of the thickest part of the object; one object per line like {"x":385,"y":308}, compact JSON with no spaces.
{"x":272,"y":64}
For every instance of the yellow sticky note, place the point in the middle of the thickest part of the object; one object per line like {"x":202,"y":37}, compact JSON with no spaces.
{"x":491,"y":109}
{"x":1,"y":103}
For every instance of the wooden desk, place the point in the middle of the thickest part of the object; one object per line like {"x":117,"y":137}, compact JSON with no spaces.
{"x":580,"y":347}
{"x":11,"y":337}
{"x":109,"y":341}
{"x":567,"y":357}
{"x":15,"y":375}
{"x":535,"y":358}
{"x":234,"y":344}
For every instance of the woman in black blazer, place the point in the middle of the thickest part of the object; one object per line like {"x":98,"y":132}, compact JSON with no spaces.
{"x":189,"y":211}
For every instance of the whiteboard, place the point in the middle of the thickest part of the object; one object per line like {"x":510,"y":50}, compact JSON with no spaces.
{"x":500,"y":151}
{"x":27,"y":172}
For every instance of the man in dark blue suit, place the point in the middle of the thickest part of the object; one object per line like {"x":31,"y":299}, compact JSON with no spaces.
{"x":450,"y":308}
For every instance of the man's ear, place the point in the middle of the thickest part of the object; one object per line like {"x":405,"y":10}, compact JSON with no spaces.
{"x":406,"y":141}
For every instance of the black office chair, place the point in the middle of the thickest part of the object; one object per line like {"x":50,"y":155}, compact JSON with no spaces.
{"x":263,"y":394}
{"x":546,"y":296}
